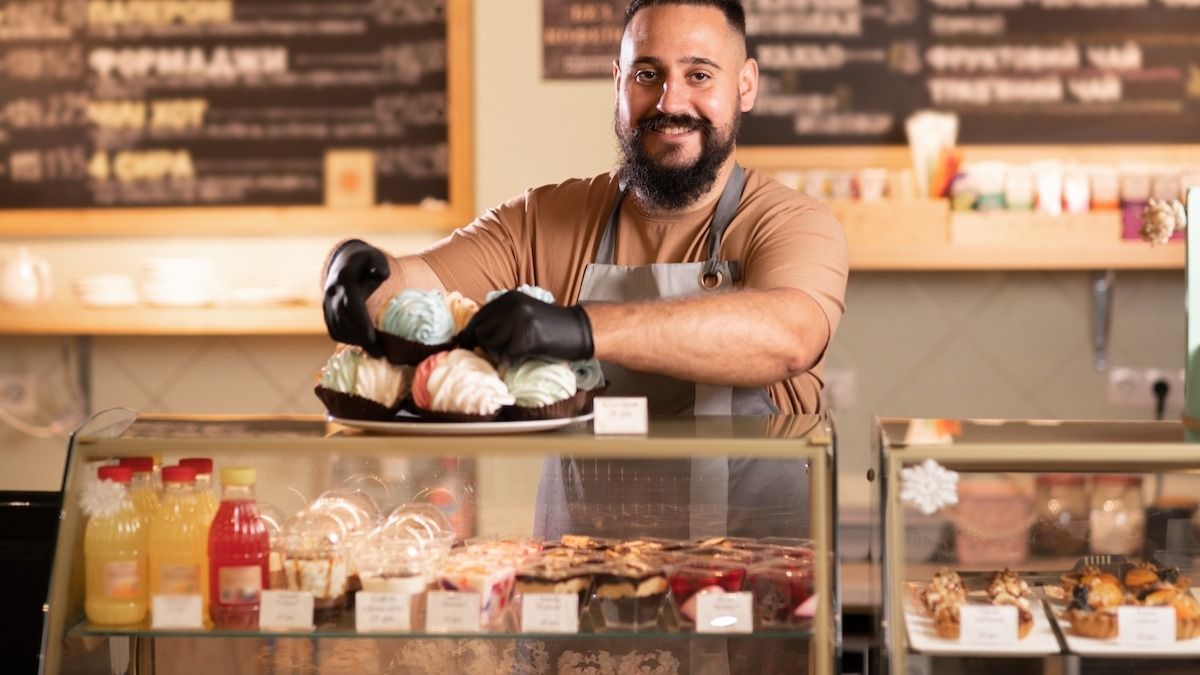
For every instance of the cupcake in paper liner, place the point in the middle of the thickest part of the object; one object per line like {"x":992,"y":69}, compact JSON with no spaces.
{"x":355,"y":386}
{"x":414,"y":325}
{"x":535,"y":292}
{"x":543,"y":389}
{"x":458,"y":386}
{"x":589,"y":380}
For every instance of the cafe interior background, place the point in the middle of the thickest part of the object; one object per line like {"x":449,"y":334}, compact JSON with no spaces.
{"x":1001,"y":328}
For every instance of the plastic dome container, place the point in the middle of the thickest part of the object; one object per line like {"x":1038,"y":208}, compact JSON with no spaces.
{"x":273,"y":519}
{"x":315,"y":547}
{"x":392,"y":562}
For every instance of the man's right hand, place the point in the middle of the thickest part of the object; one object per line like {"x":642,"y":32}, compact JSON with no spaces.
{"x":356,"y":269}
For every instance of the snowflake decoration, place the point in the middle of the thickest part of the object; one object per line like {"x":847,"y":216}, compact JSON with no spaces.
{"x":928,"y":486}
{"x":101,"y":498}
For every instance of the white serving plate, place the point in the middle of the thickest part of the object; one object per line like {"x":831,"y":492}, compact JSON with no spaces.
{"x":414,"y":428}
{"x":922,"y":637}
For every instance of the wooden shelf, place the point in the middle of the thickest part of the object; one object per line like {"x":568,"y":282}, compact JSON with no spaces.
{"x":866,"y":256}
{"x":927,"y":236}
{"x":143,"y":320}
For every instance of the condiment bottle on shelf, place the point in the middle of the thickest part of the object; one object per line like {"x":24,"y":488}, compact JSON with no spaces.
{"x":204,"y":487}
{"x":144,"y":489}
{"x":114,"y":551}
{"x":179,"y":538}
{"x":1061,"y":528}
{"x":1118,"y":517}
{"x":238,"y":550}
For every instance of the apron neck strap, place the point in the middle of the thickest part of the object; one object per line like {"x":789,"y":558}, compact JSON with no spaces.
{"x":731,"y":196}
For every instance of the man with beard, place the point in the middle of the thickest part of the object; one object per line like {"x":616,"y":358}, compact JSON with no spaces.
{"x":706,"y":288}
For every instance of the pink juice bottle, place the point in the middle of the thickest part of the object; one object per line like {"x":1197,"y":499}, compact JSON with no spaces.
{"x":238,"y":553}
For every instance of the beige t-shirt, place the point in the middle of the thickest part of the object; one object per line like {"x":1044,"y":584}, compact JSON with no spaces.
{"x":548,"y":235}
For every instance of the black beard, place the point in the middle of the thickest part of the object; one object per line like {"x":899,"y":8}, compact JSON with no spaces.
{"x":668,"y":188}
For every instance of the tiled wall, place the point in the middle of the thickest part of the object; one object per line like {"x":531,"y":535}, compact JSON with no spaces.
{"x":935,"y":344}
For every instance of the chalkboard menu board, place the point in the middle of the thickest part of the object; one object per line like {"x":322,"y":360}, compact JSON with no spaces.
{"x":1015,"y":71}
{"x":188,"y":103}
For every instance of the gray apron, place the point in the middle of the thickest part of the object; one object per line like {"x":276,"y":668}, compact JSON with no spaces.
{"x":674,"y":498}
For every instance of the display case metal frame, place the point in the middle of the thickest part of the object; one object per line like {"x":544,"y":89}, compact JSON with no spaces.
{"x":124,"y":433}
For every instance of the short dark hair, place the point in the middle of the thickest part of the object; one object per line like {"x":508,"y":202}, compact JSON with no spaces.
{"x":732,"y":9}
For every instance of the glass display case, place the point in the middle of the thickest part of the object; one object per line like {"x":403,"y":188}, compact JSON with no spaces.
{"x":1039,"y":546}
{"x":704,"y":546}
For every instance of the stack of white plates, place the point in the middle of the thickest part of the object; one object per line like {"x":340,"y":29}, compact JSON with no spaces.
{"x":178,"y":282}
{"x":106,"y":290}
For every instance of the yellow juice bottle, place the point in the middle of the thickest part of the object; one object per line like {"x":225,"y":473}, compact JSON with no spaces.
{"x":204,"y":487}
{"x":143,"y":490}
{"x":179,"y":539}
{"x":115,"y":560}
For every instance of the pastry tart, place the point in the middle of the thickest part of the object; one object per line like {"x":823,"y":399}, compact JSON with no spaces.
{"x":1100,"y":624}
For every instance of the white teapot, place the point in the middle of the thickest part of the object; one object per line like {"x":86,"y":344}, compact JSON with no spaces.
{"x":25,"y":279}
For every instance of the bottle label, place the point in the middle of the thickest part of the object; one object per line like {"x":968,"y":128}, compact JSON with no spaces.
{"x":240,"y":585}
{"x":179,"y":580}
{"x":122,"y":580}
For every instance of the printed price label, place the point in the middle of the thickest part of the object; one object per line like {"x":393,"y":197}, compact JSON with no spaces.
{"x":177,"y":611}
{"x":1146,"y":626}
{"x":286,"y":610}
{"x":988,"y":624}
{"x":376,"y":612}
{"x":725,"y":613}
{"x":452,"y":612}
{"x":550,"y":613}
{"x":620,"y":415}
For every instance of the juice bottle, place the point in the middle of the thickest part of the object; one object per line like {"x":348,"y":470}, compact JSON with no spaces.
{"x":179,"y":538}
{"x":238,"y":550}
{"x":204,"y":488}
{"x":114,"y":552}
{"x":143,"y":489}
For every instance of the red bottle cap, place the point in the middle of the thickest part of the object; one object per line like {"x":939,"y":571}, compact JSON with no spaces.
{"x":138,"y":464}
{"x":178,"y":474}
{"x":202,"y":465}
{"x":117,"y":474}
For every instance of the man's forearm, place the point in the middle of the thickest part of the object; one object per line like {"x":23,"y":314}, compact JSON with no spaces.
{"x":408,"y":271}
{"x":743,"y":338}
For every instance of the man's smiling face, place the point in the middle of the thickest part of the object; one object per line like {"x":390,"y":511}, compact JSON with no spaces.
{"x":682,"y":82}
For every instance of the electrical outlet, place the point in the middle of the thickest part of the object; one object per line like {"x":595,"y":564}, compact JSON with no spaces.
{"x":18,"y":393}
{"x":1134,"y":388}
{"x":840,"y":390}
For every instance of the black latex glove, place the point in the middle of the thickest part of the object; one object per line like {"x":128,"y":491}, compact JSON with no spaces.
{"x":355,"y":271}
{"x":515,"y":325}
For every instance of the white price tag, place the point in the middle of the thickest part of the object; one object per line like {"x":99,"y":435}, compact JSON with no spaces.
{"x":725,"y":613}
{"x":549,"y":613}
{"x":452,"y":612}
{"x":177,"y":611}
{"x":381,"y":612}
{"x":1146,"y":626}
{"x":620,"y":415}
{"x":988,"y":624}
{"x":286,"y":610}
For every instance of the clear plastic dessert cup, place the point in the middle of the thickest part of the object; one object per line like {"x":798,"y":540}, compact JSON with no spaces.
{"x":782,"y":591}
{"x":629,"y":594}
{"x":696,"y":577}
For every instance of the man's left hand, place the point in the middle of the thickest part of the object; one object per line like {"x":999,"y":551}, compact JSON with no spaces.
{"x":515,"y":326}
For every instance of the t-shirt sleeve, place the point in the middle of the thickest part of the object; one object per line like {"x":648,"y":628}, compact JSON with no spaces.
{"x":485,"y":255}
{"x":799,"y":244}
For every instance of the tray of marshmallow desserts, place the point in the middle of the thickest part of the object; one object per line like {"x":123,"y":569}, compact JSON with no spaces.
{"x":426,"y":384}
{"x":1105,"y":606}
